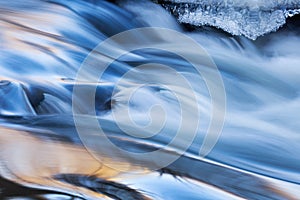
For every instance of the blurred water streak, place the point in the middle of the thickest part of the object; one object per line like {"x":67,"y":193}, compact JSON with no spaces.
{"x":42,"y":45}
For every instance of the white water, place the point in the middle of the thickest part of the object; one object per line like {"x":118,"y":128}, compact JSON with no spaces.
{"x":42,"y":47}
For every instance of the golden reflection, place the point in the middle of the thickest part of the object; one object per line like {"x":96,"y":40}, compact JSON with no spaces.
{"x":31,"y":161}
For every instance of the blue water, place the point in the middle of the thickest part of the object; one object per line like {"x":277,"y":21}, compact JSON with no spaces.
{"x":43,"y":45}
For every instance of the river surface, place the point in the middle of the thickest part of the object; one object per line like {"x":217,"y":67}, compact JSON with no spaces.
{"x":236,"y":134}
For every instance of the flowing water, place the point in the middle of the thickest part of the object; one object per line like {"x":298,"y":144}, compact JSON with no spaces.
{"x":43,"y":156}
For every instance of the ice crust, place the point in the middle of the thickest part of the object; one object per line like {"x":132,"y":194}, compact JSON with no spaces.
{"x":252,"y":18}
